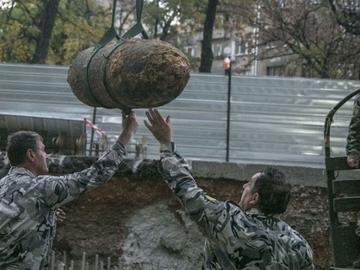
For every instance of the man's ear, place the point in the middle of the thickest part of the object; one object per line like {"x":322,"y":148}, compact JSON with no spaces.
{"x":255,"y":199}
{"x":30,"y":154}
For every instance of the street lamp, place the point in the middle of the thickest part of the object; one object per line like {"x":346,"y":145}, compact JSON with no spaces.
{"x":227,"y":69}
{"x":227,"y":65}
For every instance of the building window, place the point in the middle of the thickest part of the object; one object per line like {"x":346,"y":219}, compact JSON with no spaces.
{"x":246,"y":48}
{"x":189,"y":51}
{"x":217,"y":49}
{"x":240,"y":47}
{"x":275,"y":70}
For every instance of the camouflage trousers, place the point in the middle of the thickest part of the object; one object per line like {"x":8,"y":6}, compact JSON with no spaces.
{"x":12,"y":267}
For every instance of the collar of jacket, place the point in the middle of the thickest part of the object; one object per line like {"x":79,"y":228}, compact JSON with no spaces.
{"x":255,"y":211}
{"x":20,"y":171}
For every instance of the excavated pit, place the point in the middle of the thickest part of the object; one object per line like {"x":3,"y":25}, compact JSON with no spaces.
{"x":138,"y":220}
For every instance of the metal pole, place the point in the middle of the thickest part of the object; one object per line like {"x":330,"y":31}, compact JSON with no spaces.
{"x":53,"y":260}
{"x":256,"y":36}
{"x":84,"y":143}
{"x":119,"y":18}
{"x":228,"y":115}
{"x":92,"y":131}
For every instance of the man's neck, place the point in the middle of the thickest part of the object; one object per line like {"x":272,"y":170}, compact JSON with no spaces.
{"x":28,"y":167}
{"x":255,"y":211}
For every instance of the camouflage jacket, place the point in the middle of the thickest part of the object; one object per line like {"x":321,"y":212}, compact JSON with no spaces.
{"x":353,"y":139}
{"x":27,"y":220}
{"x":235,"y":239}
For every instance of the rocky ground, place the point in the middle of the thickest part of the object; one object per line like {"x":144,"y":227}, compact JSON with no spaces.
{"x":138,"y":220}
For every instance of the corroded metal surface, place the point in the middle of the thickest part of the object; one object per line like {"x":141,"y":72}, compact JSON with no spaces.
{"x":138,"y":74}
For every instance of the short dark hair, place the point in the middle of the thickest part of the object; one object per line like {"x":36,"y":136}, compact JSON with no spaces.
{"x":18,"y":143}
{"x":274,"y":191}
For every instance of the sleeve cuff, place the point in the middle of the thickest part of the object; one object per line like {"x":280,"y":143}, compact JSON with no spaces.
{"x":169,"y":147}
{"x":119,"y":148}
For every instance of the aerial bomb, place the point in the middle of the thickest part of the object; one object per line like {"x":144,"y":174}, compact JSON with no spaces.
{"x":135,"y":73}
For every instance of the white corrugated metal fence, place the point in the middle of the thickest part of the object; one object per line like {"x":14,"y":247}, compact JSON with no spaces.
{"x":273,"y":120}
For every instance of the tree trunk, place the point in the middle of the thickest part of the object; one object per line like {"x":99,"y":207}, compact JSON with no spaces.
{"x":47,"y":22}
{"x":167,"y":25}
{"x":206,"y":50}
{"x":141,"y":73}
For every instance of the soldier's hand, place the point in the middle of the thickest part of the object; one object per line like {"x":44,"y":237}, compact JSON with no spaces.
{"x":352,"y":162}
{"x":130,"y":126}
{"x":60,"y":215}
{"x":158,"y":126}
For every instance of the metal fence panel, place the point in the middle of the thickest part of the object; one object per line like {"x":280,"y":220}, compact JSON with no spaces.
{"x":273,"y":120}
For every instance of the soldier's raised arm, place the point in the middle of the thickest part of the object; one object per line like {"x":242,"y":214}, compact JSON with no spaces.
{"x":28,"y":196}
{"x":237,"y":236}
{"x":62,"y":189}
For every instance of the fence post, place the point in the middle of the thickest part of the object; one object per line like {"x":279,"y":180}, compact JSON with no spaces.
{"x":92,"y":131}
{"x":83,"y":262}
{"x":64,"y":258}
{"x":108,"y":267}
{"x":84,"y":150}
{"x":119,"y":262}
{"x":96,"y":261}
{"x":61,"y":266}
{"x":52,"y":263}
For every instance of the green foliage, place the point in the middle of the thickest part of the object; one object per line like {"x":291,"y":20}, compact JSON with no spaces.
{"x":13,"y":48}
{"x":165,"y":19}
{"x":194,"y":62}
{"x":17,"y":32}
{"x":77,"y":30}
{"x":79,"y":25}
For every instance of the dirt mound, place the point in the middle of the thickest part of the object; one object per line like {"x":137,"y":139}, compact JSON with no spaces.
{"x":139,"y":220}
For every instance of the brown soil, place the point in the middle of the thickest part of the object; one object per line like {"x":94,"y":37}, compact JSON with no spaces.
{"x":95,"y":222}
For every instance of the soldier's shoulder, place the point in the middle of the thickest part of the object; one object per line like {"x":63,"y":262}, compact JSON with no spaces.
{"x":356,"y":108}
{"x":357,"y":100}
{"x":5,"y":180}
{"x":11,"y":181}
{"x":287,"y":230}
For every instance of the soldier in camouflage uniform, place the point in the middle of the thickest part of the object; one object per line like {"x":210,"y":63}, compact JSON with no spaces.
{"x":353,"y":139}
{"x":246,"y":236}
{"x":29,"y":197}
{"x":4,"y":165}
{"x":353,"y":150}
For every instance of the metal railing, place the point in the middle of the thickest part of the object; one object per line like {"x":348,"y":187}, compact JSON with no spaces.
{"x":63,"y":262}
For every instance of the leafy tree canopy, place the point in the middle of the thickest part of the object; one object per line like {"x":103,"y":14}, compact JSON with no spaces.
{"x":79,"y":24}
